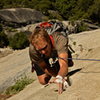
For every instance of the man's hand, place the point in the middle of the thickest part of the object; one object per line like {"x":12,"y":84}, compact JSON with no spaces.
{"x":61,"y":83}
{"x":60,"y":88}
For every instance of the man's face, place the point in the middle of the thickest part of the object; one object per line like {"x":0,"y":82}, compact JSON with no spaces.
{"x":43,"y":47}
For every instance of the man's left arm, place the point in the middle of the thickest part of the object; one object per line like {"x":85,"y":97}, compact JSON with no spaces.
{"x":62,"y":71}
{"x":62,"y":49}
{"x":63,"y":62}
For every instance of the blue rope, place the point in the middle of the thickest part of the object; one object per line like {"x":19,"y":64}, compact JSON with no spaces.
{"x":84,"y":59}
{"x":80,"y":59}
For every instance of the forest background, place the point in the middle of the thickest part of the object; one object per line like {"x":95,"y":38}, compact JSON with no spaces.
{"x":68,"y":9}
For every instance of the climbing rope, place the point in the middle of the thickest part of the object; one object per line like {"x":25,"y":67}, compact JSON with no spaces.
{"x":80,"y":59}
{"x":84,"y":59}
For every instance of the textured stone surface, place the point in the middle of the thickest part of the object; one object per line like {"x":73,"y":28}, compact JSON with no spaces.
{"x":85,"y":75}
{"x":20,"y":16}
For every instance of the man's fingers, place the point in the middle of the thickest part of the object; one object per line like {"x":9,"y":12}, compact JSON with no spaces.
{"x":61,"y":84}
{"x":60,"y":89}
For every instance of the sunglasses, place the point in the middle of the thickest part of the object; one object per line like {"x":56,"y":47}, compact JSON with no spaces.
{"x":39,"y":50}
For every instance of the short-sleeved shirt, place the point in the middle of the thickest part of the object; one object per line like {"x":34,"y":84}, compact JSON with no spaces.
{"x":60,"y":46}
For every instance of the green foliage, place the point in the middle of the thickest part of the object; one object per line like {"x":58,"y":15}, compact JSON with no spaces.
{"x":1,"y":28}
{"x":54,"y":15}
{"x":81,"y":28}
{"x":65,"y":7}
{"x":19,"y":41}
{"x":10,"y":29}
{"x":81,"y":9}
{"x":84,"y":4}
{"x":3,"y":40}
{"x":93,"y":12}
{"x":68,"y":9}
{"x":19,"y":85}
{"x":44,"y":6}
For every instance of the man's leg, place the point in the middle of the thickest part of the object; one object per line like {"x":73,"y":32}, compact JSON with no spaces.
{"x":44,"y":79}
{"x":42,"y":76}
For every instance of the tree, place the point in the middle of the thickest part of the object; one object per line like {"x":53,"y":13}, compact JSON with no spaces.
{"x":44,"y":6}
{"x":94,"y":11}
{"x":19,"y":41}
{"x":65,"y":7}
{"x":81,"y":8}
{"x":1,"y":28}
{"x":3,"y":40}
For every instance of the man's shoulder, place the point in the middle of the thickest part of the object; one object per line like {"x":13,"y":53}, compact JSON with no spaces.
{"x":57,"y":36}
{"x":60,"y":42}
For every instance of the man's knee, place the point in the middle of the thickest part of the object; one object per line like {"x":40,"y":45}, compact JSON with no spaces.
{"x":43,"y":82}
{"x":44,"y":79}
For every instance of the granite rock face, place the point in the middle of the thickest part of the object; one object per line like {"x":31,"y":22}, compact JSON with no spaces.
{"x":18,"y":17}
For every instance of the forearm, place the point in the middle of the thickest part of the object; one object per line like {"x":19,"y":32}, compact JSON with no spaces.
{"x":63,"y":62}
{"x":63,"y":71}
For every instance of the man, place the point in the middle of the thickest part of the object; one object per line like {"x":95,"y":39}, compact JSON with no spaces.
{"x":49,"y":56}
